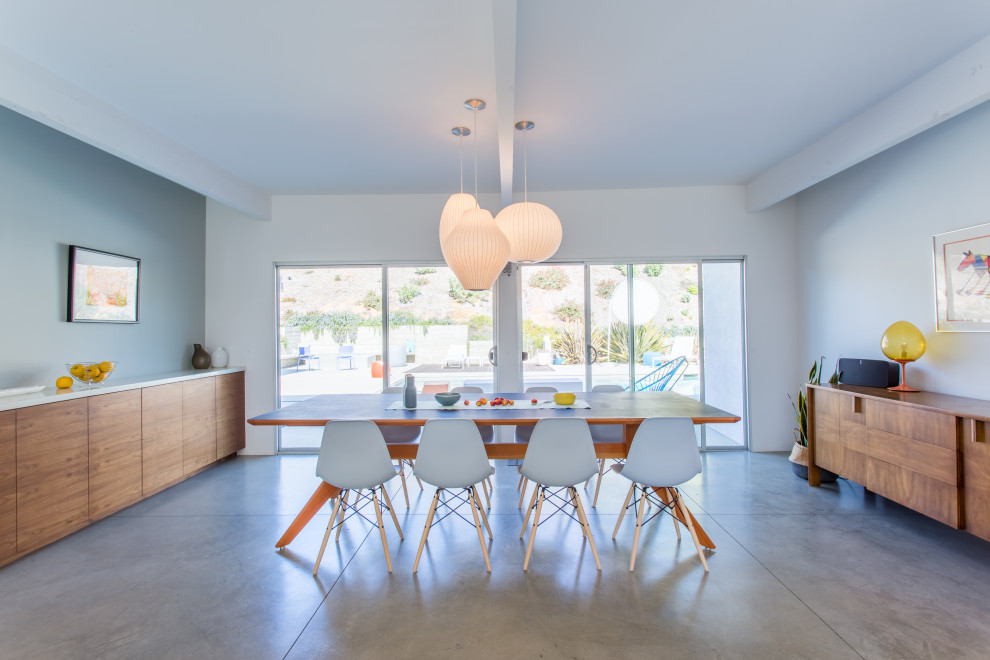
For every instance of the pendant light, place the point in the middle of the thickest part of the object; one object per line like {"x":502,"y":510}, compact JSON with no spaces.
{"x":476,"y":249}
{"x":533,"y":230}
{"x":460,"y":202}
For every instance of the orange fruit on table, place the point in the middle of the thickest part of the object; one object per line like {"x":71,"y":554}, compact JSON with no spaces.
{"x":63,"y":382}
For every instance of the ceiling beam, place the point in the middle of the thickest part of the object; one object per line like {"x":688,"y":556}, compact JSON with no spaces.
{"x":504,"y":30}
{"x":37,"y":93}
{"x":944,"y":92}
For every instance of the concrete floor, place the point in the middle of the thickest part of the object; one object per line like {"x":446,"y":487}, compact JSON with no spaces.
{"x":798,"y":573}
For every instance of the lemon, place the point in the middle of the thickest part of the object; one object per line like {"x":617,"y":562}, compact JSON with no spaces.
{"x":106,"y":367}
{"x":63,"y":382}
{"x":100,"y":377}
{"x":77,"y":370}
{"x":91,"y":372}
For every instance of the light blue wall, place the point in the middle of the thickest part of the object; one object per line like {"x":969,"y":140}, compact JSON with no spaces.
{"x":56,"y":191}
{"x":865,"y":252}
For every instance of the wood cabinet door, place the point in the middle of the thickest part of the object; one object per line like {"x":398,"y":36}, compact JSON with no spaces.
{"x":114,"y":452}
{"x":52,"y":472}
{"x":8,"y":486}
{"x":828,"y":430}
{"x":976,"y":476}
{"x":230,"y":414}
{"x":199,"y":423}
{"x":161,"y":436}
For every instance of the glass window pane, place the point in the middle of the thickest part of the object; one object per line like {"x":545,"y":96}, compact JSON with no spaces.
{"x":665,"y":327}
{"x":330,"y":338}
{"x":438,"y":331}
{"x":724,"y":354}
{"x":553,"y":326}
{"x":609,"y":332}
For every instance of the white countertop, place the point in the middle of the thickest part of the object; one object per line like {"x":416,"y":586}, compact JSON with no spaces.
{"x":51,"y":395}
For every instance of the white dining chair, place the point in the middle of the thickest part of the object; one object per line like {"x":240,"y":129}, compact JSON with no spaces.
{"x":487,"y":436}
{"x":452,"y":457}
{"x":353,"y":457}
{"x":402,"y":435}
{"x":560,"y":456}
{"x":664,"y":454}
{"x":524,"y":433}
{"x":604,"y":433}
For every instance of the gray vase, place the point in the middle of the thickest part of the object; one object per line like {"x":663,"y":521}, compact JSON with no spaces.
{"x":200,"y":358}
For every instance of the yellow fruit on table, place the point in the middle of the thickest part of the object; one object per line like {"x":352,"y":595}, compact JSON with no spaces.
{"x":77,"y":370}
{"x":63,"y":382}
{"x":106,"y":367}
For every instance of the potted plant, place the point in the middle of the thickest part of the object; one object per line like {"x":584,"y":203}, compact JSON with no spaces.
{"x":799,"y":453}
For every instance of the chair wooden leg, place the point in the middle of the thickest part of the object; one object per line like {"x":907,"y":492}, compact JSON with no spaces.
{"x":381,"y":528}
{"x":583,"y":517}
{"x":426,"y":529}
{"x":484,"y":518}
{"x":412,"y":466}
{"x":639,"y":527}
{"x":391,"y":510}
{"x":536,"y":523}
{"x":521,"y":480}
{"x":598,"y":486}
{"x":326,"y":537}
{"x":677,"y":528}
{"x":694,"y":533}
{"x":340,"y":525}
{"x":622,"y":512}
{"x":402,"y":476}
{"x":601,"y":466}
{"x":475,"y":506}
{"x":529,"y":509}
{"x":484,"y":490}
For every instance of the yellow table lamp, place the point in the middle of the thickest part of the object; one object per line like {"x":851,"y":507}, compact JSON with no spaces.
{"x":903,"y":343}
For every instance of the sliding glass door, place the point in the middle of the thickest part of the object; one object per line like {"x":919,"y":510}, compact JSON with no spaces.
{"x":359,"y":329}
{"x":643,"y":326}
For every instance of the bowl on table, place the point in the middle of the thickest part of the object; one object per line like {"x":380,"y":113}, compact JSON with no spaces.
{"x":447,"y":398}
{"x":563,"y":398}
{"x":90,"y":373}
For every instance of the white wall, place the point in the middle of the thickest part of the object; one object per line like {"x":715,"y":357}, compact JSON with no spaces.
{"x":865,"y":241}
{"x":56,"y":191}
{"x":621,"y":225}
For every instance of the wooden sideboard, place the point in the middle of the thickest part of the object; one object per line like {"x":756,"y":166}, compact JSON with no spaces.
{"x":924,"y":450}
{"x":68,"y":463}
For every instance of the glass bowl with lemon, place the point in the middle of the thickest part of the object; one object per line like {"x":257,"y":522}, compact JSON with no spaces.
{"x":91,"y":373}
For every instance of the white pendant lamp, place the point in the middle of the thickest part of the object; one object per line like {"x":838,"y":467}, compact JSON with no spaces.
{"x":475,"y":248}
{"x":533,"y":230}
{"x":460,"y":202}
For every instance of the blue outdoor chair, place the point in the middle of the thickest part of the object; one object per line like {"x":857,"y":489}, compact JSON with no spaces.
{"x":304,"y":354}
{"x":345,"y":354}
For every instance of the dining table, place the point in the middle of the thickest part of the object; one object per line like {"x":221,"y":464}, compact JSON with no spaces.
{"x":627,"y":409}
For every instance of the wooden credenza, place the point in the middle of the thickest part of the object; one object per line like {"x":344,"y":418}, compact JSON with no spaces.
{"x":924,"y":450}
{"x":68,"y":463}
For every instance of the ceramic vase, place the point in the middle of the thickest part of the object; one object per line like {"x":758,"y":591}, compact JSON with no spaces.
{"x":219,"y":358}
{"x":200,"y":358}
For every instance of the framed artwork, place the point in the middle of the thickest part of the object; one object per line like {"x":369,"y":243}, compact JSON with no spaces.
{"x":962,"y":280}
{"x":103,"y":287}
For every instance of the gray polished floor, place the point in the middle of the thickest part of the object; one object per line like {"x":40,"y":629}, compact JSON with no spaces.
{"x":798,"y":573}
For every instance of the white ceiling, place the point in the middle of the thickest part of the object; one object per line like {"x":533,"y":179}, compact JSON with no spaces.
{"x":328,"y":96}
